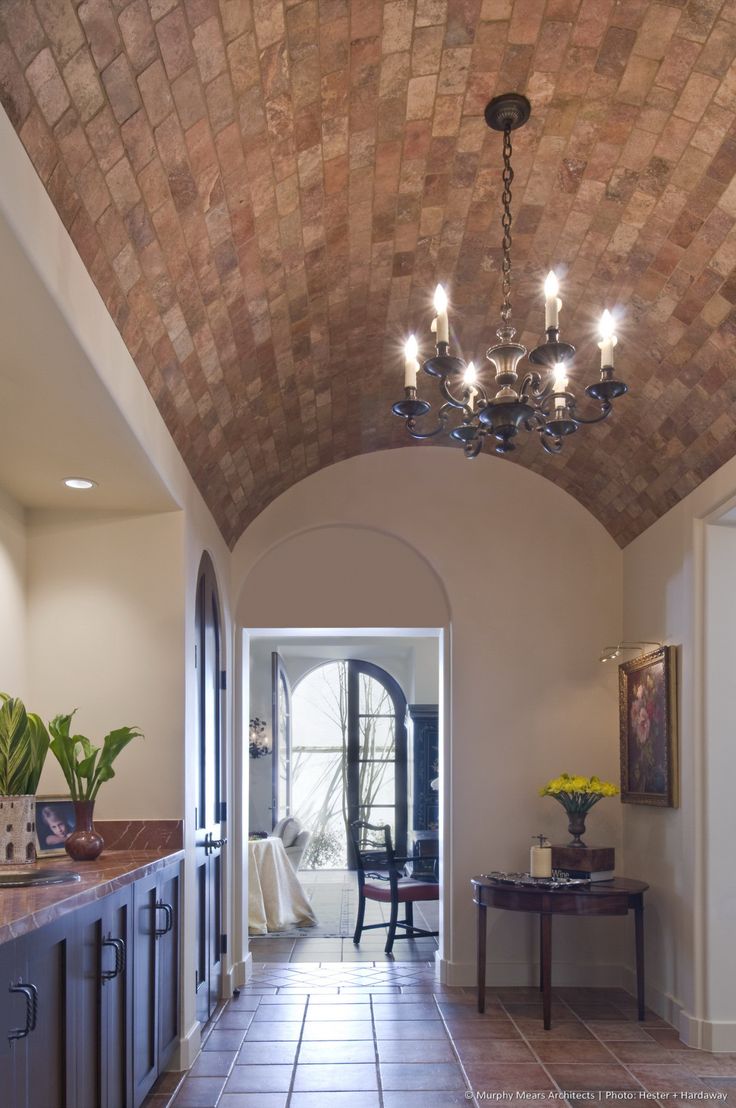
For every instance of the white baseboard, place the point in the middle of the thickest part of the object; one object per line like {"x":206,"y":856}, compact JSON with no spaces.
{"x":241,"y":972}
{"x":188,"y":1049}
{"x":711,"y":1035}
{"x":526,"y":974}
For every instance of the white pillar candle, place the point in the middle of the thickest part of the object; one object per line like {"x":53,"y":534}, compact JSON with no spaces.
{"x":540,"y":861}
{"x":441,"y":325}
{"x":559,"y":385}
{"x":411,"y":365}
{"x":608,"y":339}
{"x":552,"y":304}
{"x":469,"y":380}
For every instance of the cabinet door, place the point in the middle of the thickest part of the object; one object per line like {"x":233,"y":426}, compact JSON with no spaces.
{"x":50,"y":1053}
{"x":168,"y":967}
{"x":145,"y":1022}
{"x":90,"y":959}
{"x":13,"y":1022}
{"x":117,"y":1008}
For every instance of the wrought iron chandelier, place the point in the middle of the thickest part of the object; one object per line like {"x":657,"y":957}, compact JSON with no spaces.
{"x":540,"y":400}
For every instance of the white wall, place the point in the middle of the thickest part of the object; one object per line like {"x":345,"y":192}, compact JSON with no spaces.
{"x":13,"y":670}
{"x":527,"y":585}
{"x":37,"y":227}
{"x":678,"y":587}
{"x":106,"y":635}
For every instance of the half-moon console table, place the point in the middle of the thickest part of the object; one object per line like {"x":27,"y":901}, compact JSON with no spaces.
{"x":605,"y":898}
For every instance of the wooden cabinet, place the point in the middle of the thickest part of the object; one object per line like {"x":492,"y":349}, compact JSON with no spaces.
{"x":102,"y":985}
{"x":156,"y":985}
{"x":89,"y":1005}
{"x":36,"y":1013}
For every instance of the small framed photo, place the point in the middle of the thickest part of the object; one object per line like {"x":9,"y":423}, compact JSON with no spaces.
{"x":54,"y":824}
{"x":648,"y":729}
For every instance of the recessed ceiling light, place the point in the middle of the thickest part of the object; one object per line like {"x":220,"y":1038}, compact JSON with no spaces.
{"x":79,"y":483}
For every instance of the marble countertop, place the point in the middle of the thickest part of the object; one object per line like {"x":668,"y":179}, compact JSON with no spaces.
{"x":24,"y":910}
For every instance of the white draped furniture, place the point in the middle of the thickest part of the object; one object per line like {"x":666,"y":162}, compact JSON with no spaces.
{"x":276,"y":899}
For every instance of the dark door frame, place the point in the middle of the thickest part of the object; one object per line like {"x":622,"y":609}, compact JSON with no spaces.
{"x":210,"y":811}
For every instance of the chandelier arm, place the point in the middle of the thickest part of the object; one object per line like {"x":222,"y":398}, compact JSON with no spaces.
{"x":443,"y":415}
{"x":532,"y":386}
{"x":552,"y":444}
{"x":461,"y":405}
{"x":473,"y":449}
{"x":606,"y":409}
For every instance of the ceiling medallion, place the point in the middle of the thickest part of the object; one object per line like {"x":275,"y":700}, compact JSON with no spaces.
{"x":541,"y":401}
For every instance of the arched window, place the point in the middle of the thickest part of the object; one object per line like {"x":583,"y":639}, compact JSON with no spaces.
{"x":348,"y":757}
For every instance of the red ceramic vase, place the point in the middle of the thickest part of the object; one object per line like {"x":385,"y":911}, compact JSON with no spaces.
{"x":84,"y":844}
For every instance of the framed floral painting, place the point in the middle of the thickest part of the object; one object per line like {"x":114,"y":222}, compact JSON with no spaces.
{"x":648,"y":721}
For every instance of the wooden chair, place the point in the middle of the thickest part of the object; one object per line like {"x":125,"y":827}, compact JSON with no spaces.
{"x":381,"y":877}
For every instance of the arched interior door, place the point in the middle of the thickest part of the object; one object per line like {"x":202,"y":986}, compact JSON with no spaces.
{"x":209,"y":815}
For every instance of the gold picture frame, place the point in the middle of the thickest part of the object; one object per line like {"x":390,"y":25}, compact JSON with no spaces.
{"x":648,"y":729}
{"x":49,"y":843}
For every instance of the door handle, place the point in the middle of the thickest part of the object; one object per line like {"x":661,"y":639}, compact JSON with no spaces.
{"x":30,"y":992}
{"x":211,"y":844}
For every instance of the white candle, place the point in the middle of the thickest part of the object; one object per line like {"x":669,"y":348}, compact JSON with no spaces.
{"x":441,"y":325}
{"x":552,"y":304}
{"x":411,"y":365}
{"x":608,"y":339}
{"x":559,"y":385}
{"x":469,"y":380}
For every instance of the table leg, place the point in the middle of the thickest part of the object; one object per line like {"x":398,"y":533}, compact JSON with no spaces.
{"x":541,"y":958}
{"x":481,"y":958}
{"x":546,"y":954}
{"x":639,"y":930}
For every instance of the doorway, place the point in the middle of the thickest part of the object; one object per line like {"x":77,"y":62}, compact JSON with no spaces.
{"x":353,"y":721}
{"x":210,"y":812}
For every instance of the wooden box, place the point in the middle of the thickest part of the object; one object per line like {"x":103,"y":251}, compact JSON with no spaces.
{"x":584,"y":859}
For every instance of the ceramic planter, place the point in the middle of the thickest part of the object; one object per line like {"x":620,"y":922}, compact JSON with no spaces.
{"x":17,"y":830}
{"x":84,"y":844}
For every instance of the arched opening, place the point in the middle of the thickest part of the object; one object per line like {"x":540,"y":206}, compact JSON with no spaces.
{"x":348,"y":757}
{"x":9,"y":852}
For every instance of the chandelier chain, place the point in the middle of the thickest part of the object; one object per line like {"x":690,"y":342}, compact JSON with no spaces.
{"x":507,"y":177}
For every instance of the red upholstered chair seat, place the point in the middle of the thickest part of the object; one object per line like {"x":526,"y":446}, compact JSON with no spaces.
{"x":408,"y":890}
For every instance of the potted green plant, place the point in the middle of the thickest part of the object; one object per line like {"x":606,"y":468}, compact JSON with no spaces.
{"x":24,"y":743}
{"x":85,"y":768}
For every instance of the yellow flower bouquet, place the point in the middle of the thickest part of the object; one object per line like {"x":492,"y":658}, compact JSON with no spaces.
{"x":577,"y":795}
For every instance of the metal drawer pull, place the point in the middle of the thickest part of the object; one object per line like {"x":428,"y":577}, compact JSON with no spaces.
{"x":118,"y":946}
{"x":30,"y":992}
{"x":168,"y":911}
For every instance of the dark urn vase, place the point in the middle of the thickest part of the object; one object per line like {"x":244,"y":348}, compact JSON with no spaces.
{"x":576,"y":827}
{"x":84,"y":844}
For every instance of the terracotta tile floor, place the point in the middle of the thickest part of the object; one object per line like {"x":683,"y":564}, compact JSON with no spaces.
{"x":389,"y":1036}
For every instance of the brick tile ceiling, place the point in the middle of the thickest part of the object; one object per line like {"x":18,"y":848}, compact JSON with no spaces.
{"x":265,"y":194}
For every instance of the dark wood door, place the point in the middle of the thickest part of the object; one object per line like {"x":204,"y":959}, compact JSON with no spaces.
{"x":281,"y":732}
{"x":117,"y":1008}
{"x":209,"y":816}
{"x":13,"y":1022}
{"x":146,"y":920}
{"x":168,"y":965}
{"x":50,"y":1076}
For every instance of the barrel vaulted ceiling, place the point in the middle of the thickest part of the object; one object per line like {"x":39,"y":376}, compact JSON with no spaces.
{"x":265,"y":194}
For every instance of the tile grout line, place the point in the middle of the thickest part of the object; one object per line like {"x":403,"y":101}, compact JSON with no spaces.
{"x":624,"y":1065}
{"x":472,"y":1103}
{"x":529,"y":1044}
{"x":296,"y":1055}
{"x":379,"y":1080}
